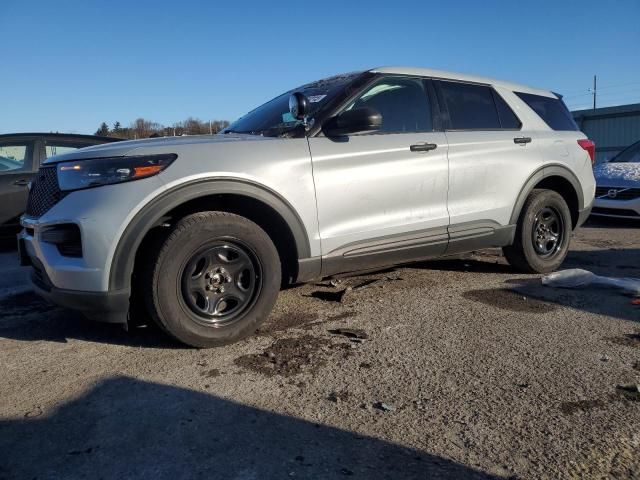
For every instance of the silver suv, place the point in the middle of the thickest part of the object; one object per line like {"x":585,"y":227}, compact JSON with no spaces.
{"x":350,"y":173}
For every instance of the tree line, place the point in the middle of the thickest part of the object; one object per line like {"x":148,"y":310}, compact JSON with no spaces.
{"x":142,"y":128}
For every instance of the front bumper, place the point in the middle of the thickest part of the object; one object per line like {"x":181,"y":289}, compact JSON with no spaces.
{"x":617,"y":208}
{"x":82,"y":282}
{"x":101,"y":215}
{"x":111,"y":307}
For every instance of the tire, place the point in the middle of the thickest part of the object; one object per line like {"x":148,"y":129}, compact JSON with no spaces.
{"x":545,"y":214}
{"x":214,"y":279}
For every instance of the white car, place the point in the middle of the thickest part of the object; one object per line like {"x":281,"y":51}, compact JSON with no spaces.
{"x":354,"y":172}
{"x":618,"y":185}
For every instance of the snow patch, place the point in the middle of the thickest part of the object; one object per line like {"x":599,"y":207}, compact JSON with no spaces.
{"x":618,"y":171}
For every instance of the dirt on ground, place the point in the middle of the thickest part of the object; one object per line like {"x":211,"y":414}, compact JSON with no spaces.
{"x":457,"y":368}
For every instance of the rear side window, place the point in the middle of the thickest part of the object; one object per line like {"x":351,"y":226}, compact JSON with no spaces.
{"x":471,"y":107}
{"x":508,"y":119}
{"x":552,"y":110}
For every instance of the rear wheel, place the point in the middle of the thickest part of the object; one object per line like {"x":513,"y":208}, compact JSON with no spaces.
{"x":543,"y":233}
{"x":214,"y":280}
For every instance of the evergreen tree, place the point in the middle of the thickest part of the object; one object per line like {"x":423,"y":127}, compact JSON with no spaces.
{"x":103,"y":131}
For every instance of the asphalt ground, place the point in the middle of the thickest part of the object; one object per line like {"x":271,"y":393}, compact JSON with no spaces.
{"x":458,"y":368}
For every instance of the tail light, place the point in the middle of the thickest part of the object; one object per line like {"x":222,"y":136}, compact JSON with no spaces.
{"x":590,"y":147}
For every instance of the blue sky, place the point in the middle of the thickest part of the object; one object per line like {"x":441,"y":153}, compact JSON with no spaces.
{"x":69,"y":65}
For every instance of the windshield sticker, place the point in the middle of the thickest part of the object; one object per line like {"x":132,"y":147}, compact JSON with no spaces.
{"x":316,"y":98}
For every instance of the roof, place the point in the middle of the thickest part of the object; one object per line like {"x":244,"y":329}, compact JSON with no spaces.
{"x":427,"y":72}
{"x":75,"y":136}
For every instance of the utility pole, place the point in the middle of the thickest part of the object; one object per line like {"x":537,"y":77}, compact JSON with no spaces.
{"x":210,"y":129}
{"x":595,"y":90}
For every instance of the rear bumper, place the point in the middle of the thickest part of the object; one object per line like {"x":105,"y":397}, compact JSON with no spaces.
{"x":111,"y":307}
{"x":584,"y":214}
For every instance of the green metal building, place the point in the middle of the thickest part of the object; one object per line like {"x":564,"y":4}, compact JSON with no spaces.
{"x":612,"y":128}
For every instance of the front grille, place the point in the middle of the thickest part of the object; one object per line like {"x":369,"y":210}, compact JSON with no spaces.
{"x":620,"y":212}
{"x":44,"y":193}
{"x":621,"y":193}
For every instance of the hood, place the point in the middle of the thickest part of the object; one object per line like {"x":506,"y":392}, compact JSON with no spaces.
{"x":136,"y":147}
{"x":617,"y":174}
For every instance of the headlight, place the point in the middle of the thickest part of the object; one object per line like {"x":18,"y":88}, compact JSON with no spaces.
{"x":106,"y":171}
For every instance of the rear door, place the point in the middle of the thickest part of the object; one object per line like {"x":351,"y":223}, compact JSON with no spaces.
{"x":559,"y":143}
{"x":382,"y":196}
{"x":490,"y":156}
{"x":17,"y":160}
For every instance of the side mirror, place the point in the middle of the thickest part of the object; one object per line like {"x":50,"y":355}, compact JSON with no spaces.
{"x":298,"y":105}
{"x":358,"y":120}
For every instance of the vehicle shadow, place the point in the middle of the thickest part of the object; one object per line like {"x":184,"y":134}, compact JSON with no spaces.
{"x":595,"y":299}
{"x":127,"y":428}
{"x":616,"y":262}
{"x":8,"y":245}
{"x":612,"y":262}
{"x":463,"y":264}
{"x":27,"y":317}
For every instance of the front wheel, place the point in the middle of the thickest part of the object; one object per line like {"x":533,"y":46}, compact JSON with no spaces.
{"x":214,"y":280}
{"x":543,"y":233}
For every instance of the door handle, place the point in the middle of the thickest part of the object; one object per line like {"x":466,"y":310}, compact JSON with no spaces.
{"x":21,"y":183}
{"x":423,"y":147}
{"x":522,"y":140}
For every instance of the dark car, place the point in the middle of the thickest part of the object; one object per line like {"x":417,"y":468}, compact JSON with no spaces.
{"x":20,"y":157}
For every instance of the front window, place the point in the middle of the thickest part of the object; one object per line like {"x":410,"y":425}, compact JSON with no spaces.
{"x":402,"y":102}
{"x":628,"y":155}
{"x":15,"y":156}
{"x":273,"y":118}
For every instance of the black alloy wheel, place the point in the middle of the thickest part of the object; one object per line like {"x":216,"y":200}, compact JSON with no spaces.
{"x":547,"y":232}
{"x":212,"y":279}
{"x":543,"y":233}
{"x":221,"y":281}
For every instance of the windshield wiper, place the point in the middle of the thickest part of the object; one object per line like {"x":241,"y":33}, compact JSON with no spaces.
{"x":284,"y":131}
{"x":253,"y":132}
{"x":278,"y":131}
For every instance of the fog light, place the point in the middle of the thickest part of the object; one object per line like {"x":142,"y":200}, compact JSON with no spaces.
{"x":66,"y":237}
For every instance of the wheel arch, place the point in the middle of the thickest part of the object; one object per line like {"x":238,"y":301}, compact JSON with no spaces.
{"x":559,"y":179}
{"x":189,"y":194}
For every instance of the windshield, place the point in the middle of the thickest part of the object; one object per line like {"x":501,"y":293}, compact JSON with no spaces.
{"x":628,"y":155}
{"x":273,"y":118}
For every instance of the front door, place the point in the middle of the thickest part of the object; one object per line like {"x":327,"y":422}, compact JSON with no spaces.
{"x":382,"y":197}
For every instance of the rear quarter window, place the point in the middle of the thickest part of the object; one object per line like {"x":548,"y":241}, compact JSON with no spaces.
{"x":552,"y":111}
